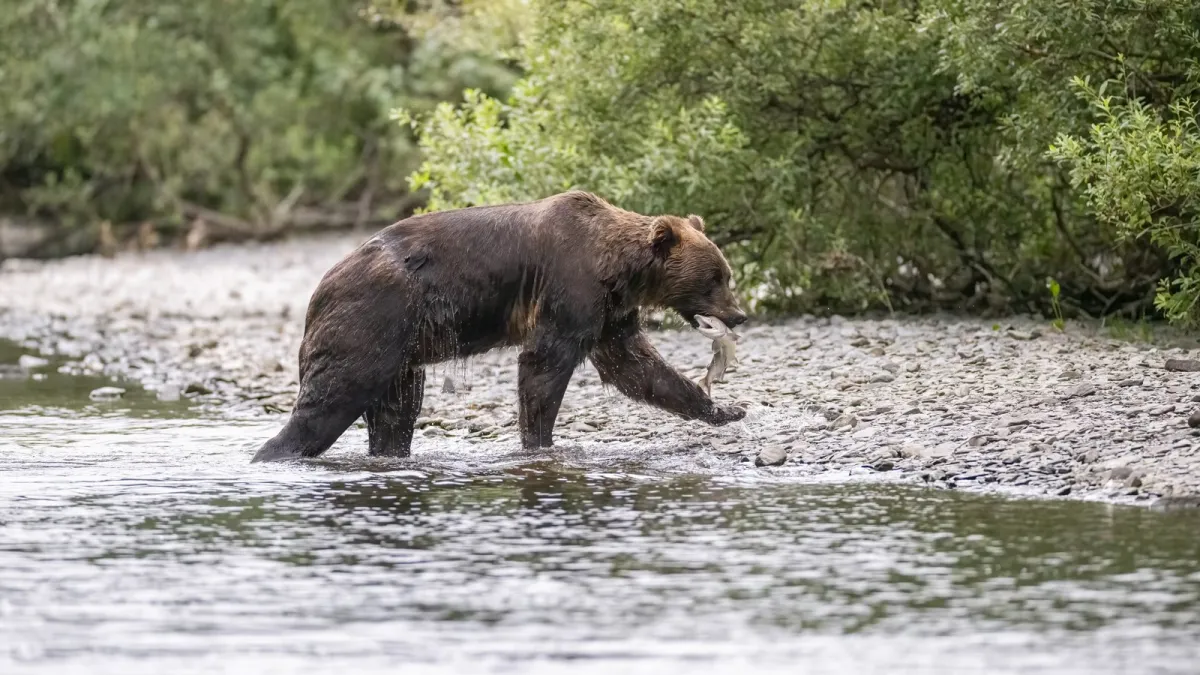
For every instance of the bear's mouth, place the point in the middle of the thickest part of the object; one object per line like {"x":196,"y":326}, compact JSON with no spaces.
{"x":690,"y":318}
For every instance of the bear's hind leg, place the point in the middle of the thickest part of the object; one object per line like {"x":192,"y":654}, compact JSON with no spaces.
{"x":308,"y":433}
{"x":329,"y":402}
{"x":390,"y":419}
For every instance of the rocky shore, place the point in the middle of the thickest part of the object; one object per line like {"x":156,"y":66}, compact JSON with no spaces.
{"x":948,"y":402}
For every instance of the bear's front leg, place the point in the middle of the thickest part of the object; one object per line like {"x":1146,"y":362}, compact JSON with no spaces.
{"x":390,"y":419}
{"x":542,"y":377}
{"x":626,"y":360}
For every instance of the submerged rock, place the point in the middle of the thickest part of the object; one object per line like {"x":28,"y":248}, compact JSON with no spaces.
{"x":106,"y":394}
{"x":198,"y":389}
{"x":30,"y":362}
{"x":11,"y":372}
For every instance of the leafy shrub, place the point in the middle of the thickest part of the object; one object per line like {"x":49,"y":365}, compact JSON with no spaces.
{"x":847,"y":155}
{"x":127,"y":110}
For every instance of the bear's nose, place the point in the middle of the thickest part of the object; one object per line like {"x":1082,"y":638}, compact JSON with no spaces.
{"x":736,"y":319}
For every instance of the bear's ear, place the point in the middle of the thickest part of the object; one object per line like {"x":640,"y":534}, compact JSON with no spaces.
{"x":663,"y":236}
{"x":697,"y":222}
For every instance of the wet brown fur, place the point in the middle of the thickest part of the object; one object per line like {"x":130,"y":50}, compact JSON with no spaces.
{"x":563,"y":278}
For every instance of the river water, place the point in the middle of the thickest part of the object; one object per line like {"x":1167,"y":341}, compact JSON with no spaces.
{"x":135,"y":538}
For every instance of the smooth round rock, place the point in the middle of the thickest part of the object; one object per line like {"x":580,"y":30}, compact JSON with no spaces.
{"x":772,"y":455}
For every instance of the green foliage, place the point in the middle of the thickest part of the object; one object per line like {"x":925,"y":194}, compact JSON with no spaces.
{"x":1056,"y":291}
{"x":129,"y":110}
{"x":846,"y":155}
{"x":1140,"y":170}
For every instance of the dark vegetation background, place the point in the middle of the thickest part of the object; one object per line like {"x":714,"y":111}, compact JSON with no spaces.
{"x":908,"y":155}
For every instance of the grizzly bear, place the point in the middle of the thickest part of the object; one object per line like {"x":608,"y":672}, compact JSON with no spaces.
{"x":563,"y":279}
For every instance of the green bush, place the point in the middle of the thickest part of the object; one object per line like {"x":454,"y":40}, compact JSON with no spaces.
{"x":1140,"y":171}
{"x":847,"y":155}
{"x":128,"y":111}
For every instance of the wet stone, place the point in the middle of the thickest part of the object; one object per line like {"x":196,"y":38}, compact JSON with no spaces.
{"x":198,"y":389}
{"x":106,"y":394}
{"x":882,"y":464}
{"x":29,"y":362}
{"x":772,"y":455}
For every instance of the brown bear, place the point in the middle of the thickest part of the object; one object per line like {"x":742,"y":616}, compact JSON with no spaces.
{"x":563,"y":278}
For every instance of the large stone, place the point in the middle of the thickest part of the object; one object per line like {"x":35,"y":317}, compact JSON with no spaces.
{"x":1183,"y":365}
{"x":771,"y":455}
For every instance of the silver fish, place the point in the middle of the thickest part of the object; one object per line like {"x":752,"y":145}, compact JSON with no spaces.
{"x":723,"y":349}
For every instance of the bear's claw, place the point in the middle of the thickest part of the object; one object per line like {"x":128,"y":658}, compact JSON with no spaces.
{"x":724,"y":414}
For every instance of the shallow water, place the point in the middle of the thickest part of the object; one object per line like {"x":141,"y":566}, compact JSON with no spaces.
{"x":136,"y":538}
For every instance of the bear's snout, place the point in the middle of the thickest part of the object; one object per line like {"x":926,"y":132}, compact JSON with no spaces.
{"x":736,"y":319}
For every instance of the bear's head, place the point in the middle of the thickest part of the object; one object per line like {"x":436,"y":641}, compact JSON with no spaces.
{"x":695,"y":277}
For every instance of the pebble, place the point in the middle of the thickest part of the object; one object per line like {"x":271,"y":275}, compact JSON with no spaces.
{"x":198,"y":389}
{"x":106,"y":394}
{"x":1081,"y":390}
{"x":846,"y":421}
{"x":1194,"y":419}
{"x":979,"y":441}
{"x":29,"y":362}
{"x":771,"y":455}
{"x":882,"y":464}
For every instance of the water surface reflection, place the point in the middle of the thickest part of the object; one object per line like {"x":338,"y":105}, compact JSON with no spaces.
{"x":148,"y":544}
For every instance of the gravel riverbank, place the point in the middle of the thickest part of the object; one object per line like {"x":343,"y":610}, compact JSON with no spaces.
{"x":948,"y":402}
